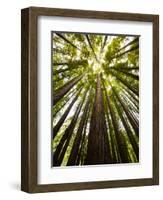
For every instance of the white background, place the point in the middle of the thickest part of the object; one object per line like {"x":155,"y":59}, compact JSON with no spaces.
{"x":10,"y":98}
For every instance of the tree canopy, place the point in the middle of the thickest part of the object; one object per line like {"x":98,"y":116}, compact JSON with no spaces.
{"x":95,"y":83}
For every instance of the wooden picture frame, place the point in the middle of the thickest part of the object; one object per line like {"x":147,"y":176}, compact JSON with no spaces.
{"x":29,"y":97}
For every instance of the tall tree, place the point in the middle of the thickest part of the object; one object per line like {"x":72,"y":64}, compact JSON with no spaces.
{"x":58,"y":94}
{"x":128,"y":85}
{"x":75,"y":148}
{"x":62,"y":119}
{"x":120,"y":141}
{"x":90,"y":44}
{"x":66,"y":40}
{"x":98,"y":140}
{"x":129,"y":115}
{"x":128,"y":130}
{"x":61,"y":148}
{"x":98,"y":126}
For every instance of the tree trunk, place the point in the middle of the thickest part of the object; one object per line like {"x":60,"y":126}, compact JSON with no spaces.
{"x":136,"y":77}
{"x":130,"y":43}
{"x":128,"y":130}
{"x":113,"y":143}
{"x":128,"y":85}
{"x":130,"y":50}
{"x":132,"y":122}
{"x":90,"y":44}
{"x":65,"y":39}
{"x":76,"y":144}
{"x":97,"y":142}
{"x":62,"y":119}
{"x":121,"y":148}
{"x":66,"y":69}
{"x":134,"y":99}
{"x":59,"y":93}
{"x":104,"y":43}
{"x":56,"y":64}
{"x":63,"y":144}
{"x":70,"y":95}
{"x":69,"y":133}
{"x":127,"y":68}
{"x":83,"y":145}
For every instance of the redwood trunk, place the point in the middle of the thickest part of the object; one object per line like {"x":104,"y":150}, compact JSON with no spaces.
{"x":59,"y":93}
{"x":61,"y":121}
{"x":134,"y":90}
{"x":136,"y":77}
{"x":128,"y":131}
{"x":98,"y":152}
{"x":66,"y":40}
{"x":76,"y":144}
{"x":63,"y":144}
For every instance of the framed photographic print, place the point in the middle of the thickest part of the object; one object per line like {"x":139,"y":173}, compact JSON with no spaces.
{"x":90,"y":99}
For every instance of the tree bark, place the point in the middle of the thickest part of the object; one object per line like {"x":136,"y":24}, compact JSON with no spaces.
{"x":113,"y":143}
{"x":125,"y":68}
{"x":90,"y":44}
{"x":83,"y":145}
{"x":76,"y":144}
{"x":63,"y":144}
{"x":97,"y":139}
{"x":130,"y":94}
{"x":65,"y":39}
{"x":62,"y":119}
{"x":131,"y":120}
{"x":70,"y":95}
{"x":134,"y":90}
{"x":56,"y":64}
{"x":66,"y":69}
{"x":130,"y":43}
{"x":104,"y":43}
{"x":121,"y":54}
{"x":128,"y":130}
{"x":69,"y":133}
{"x":59,"y":93}
{"x":121,"y":147}
{"x":136,"y":77}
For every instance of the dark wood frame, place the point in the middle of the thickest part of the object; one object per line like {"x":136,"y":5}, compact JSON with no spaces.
{"x":29,"y":98}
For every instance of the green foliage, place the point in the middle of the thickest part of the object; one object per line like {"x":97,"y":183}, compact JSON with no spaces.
{"x":116,"y":61}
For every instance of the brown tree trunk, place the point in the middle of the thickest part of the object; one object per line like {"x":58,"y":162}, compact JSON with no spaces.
{"x":90,"y":44}
{"x":70,"y":95}
{"x":131,"y":120}
{"x":104,"y":43}
{"x":63,"y":144}
{"x":130,"y":50}
{"x":136,"y":77}
{"x":83,"y":144}
{"x":127,"y":68}
{"x":130,"y":43}
{"x":65,"y":39}
{"x":62,"y":119}
{"x":66,"y":69}
{"x":120,"y":142}
{"x":128,"y":131}
{"x":76,"y":144}
{"x":56,"y":64}
{"x":132,"y":97}
{"x":59,"y":93}
{"x":69,"y":133}
{"x":97,"y":134}
{"x":113,"y":145}
{"x":134,"y":90}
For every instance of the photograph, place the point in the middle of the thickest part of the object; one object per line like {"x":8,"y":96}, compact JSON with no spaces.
{"x":89,"y":99}
{"x":95,"y":99}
